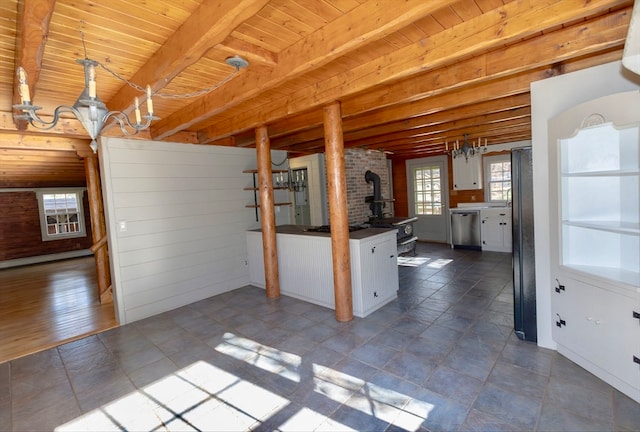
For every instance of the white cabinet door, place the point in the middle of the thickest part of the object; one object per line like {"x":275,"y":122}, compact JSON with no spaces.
{"x":496,"y":229}
{"x":379,"y":264}
{"x":467,"y":174}
{"x":572,"y":323}
{"x":597,"y":329}
{"x":619,"y":329}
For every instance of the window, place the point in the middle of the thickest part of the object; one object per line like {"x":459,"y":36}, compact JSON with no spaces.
{"x":498,"y":178}
{"x":61,"y":214}
{"x":428,"y":191}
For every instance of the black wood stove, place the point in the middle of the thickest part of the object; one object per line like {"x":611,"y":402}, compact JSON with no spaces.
{"x":404,"y":225}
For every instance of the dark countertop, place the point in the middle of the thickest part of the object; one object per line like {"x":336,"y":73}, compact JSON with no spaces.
{"x":302,"y":230}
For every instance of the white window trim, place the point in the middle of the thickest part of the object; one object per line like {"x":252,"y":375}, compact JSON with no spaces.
{"x":82,"y":231}
{"x":486,"y":169}
{"x":415,"y":201}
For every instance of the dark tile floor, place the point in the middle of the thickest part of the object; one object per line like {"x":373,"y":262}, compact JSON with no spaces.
{"x":443,"y":357}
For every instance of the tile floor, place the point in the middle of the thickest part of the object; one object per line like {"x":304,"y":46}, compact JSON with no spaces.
{"x":443,"y":357}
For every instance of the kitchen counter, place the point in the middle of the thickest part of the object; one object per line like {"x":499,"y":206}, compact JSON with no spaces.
{"x":305,"y":265}
{"x":304,"y":230}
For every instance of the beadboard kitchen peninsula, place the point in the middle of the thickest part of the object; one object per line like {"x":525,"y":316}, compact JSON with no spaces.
{"x":306,"y":271}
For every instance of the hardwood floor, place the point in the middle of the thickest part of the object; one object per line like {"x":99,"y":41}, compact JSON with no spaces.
{"x":45,"y":305}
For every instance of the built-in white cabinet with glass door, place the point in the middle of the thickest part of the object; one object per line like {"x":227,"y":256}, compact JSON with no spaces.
{"x":595,"y":254}
{"x":495,"y":229}
{"x":467,"y":173}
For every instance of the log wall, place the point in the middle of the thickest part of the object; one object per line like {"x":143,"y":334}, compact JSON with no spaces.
{"x":20,"y":235}
{"x":402,"y":199}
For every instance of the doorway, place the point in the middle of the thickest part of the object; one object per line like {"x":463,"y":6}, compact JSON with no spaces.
{"x":48,"y":304}
{"x":428,"y":196}
{"x":301,"y":208}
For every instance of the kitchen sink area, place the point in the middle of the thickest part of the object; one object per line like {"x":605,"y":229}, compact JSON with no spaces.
{"x":481,"y":226}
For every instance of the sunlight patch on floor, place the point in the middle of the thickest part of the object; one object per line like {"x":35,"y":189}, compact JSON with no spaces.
{"x":412,"y":261}
{"x":409,"y":261}
{"x":202,"y":396}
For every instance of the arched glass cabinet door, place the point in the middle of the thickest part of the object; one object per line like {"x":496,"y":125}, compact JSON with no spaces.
{"x":597,"y":188}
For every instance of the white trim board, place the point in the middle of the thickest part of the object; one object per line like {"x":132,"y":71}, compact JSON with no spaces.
{"x":44,"y":258}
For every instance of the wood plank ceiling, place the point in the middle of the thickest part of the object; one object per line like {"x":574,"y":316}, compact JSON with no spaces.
{"x":410,"y":74}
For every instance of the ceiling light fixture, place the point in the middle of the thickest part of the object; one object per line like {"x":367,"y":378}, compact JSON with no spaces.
{"x":92,"y":112}
{"x":88,"y":108}
{"x":467,"y":150}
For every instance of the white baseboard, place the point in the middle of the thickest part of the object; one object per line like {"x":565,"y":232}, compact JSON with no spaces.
{"x":44,"y":258}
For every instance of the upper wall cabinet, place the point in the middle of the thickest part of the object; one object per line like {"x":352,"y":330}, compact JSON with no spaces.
{"x":467,"y":173}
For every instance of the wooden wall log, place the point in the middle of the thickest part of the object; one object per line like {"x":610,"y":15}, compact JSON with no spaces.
{"x":98,"y":229}
{"x":20,"y":234}
{"x":338,"y":213}
{"x":267,"y":213}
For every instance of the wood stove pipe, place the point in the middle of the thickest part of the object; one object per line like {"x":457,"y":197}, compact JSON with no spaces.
{"x":376,"y":202}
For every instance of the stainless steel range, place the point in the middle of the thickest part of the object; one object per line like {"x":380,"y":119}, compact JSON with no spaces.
{"x":405,"y":239}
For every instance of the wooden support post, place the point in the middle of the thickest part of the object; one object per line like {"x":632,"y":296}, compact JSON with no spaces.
{"x":98,"y":229}
{"x":267,"y":213}
{"x":338,"y":214}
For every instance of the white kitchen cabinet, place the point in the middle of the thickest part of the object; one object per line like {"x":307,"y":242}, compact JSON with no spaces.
{"x":598,"y":329}
{"x":495,"y":229}
{"x":306,"y":270}
{"x":594,"y":172}
{"x":467,"y":173}
{"x":374,"y":272}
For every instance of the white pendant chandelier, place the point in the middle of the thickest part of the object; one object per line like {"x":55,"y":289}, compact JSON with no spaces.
{"x":92,"y":112}
{"x":88,"y":108}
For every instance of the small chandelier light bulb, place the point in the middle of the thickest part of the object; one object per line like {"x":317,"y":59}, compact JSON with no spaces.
{"x":149,"y":101}
{"x":92,"y":82}
{"x":23,"y":88}
{"x":136,"y":103}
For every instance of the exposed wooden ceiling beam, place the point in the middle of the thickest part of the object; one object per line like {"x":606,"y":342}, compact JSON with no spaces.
{"x":508,"y":104}
{"x":252,"y":53}
{"x":548,"y":49}
{"x":370,"y":21}
{"x":34,"y":17}
{"x":437,"y":128}
{"x":209,"y":25}
{"x":415,"y":122}
{"x":475,"y":131}
{"x":17,"y":141}
{"x":513,"y":22}
{"x":492,"y":90}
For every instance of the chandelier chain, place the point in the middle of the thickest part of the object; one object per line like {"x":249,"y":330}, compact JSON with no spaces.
{"x":162,"y":95}
{"x":170,"y":95}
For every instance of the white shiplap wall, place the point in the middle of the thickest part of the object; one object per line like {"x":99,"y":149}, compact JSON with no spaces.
{"x":185,"y":215}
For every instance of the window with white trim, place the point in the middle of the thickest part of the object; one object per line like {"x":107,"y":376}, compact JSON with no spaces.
{"x":61,"y":214}
{"x":428,"y":190}
{"x":497,"y":173}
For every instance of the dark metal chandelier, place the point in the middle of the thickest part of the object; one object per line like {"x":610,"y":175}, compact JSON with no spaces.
{"x":467,"y":150}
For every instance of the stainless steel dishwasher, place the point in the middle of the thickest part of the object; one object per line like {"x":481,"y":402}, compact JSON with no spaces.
{"x":465,"y":229}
